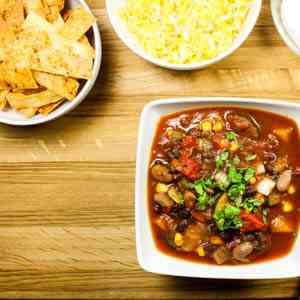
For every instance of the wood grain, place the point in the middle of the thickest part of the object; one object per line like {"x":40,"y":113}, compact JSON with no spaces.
{"x":67,"y":187}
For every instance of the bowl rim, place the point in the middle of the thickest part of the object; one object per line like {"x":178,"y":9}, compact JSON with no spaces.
{"x":185,"y":67}
{"x":84,"y":91}
{"x":142,"y":222}
{"x":276,"y":14}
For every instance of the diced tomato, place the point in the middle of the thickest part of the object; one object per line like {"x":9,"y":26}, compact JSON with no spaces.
{"x":252,"y":222}
{"x":220,"y":142}
{"x":189,"y":142}
{"x":199,"y":216}
{"x":190,"y":167}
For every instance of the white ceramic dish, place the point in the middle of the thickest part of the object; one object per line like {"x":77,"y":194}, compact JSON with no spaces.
{"x":149,"y":257}
{"x":10,"y":117}
{"x":113,"y":7}
{"x":276,"y":13}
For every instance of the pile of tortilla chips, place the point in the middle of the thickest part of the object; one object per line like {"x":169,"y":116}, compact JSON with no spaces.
{"x":44,"y":53}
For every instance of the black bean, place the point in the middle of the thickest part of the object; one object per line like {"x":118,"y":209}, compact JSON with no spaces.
{"x":269,"y":168}
{"x":183,"y":213}
{"x":157,"y":208}
{"x":174,"y":213}
{"x":182,"y":226}
{"x":212,"y":228}
{"x":227,"y":235}
{"x":250,"y":190}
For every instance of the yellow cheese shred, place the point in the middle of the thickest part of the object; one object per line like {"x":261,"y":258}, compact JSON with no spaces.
{"x":185,"y":31}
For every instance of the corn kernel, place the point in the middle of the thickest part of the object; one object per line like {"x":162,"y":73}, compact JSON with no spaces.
{"x":234,"y":147}
{"x":223,"y":144}
{"x":287,"y":206}
{"x":216,"y":240}
{"x":218,"y":126}
{"x":161,"y":188}
{"x":252,"y":180}
{"x":200,"y":251}
{"x":292,"y":189}
{"x":178,"y":239}
{"x":206,"y":125}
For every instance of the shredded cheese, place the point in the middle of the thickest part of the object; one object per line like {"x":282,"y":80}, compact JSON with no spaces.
{"x":185,"y":31}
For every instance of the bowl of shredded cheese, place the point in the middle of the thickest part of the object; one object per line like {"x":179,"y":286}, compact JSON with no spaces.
{"x":183,"y":34}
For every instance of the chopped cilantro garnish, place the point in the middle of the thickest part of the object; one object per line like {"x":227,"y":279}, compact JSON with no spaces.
{"x":222,"y":181}
{"x":221,"y":158}
{"x":234,"y":175}
{"x":249,"y":173}
{"x":236,"y":192}
{"x":251,"y":204}
{"x":231,"y":136}
{"x":229,"y":218}
{"x":203,"y":199}
{"x":236,"y":160}
{"x":231,"y":211}
{"x":251,"y":157}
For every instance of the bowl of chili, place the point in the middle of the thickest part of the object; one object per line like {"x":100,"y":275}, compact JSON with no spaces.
{"x":217,"y":188}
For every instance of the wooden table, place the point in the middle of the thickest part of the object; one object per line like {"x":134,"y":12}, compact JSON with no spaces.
{"x":67,"y":188}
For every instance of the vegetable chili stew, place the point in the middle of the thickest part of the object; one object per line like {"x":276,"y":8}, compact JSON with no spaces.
{"x":224,"y":185}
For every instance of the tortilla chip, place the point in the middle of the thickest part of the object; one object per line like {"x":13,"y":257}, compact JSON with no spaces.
{"x":57,"y":3}
{"x":35,"y":6}
{"x":62,"y":63}
{"x":35,"y":22}
{"x":65,"y":87}
{"x":28,"y":112}
{"x":3,"y":85}
{"x":12,"y":12}
{"x":28,"y":91}
{"x":20,"y":101}
{"x":85,"y":41}
{"x":3,"y":100}
{"x":52,"y":9}
{"x":59,"y":23}
{"x":47,"y":109}
{"x":17,"y":78}
{"x":78,"y":22}
{"x":7,"y":35}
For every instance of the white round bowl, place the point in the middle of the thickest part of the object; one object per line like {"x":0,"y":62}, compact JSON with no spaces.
{"x":11,"y":117}
{"x":113,"y":7}
{"x":279,"y":23}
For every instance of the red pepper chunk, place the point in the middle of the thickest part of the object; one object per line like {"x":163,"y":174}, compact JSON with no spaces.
{"x":252,"y":222}
{"x":189,"y":142}
{"x":190,"y":167}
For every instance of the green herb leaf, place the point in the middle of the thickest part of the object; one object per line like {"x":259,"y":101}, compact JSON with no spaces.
{"x":229,"y":218}
{"x":231,"y":136}
{"x":231,"y":211}
{"x":234,"y":175}
{"x":249,"y":173}
{"x":251,"y":157}
{"x":203,"y":199}
{"x":251,"y":204}
{"x":236,"y":192}
{"x":221,"y":158}
{"x":236,"y":160}
{"x":222,"y":181}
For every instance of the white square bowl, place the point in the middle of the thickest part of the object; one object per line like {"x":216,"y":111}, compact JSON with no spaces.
{"x":153,"y":260}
